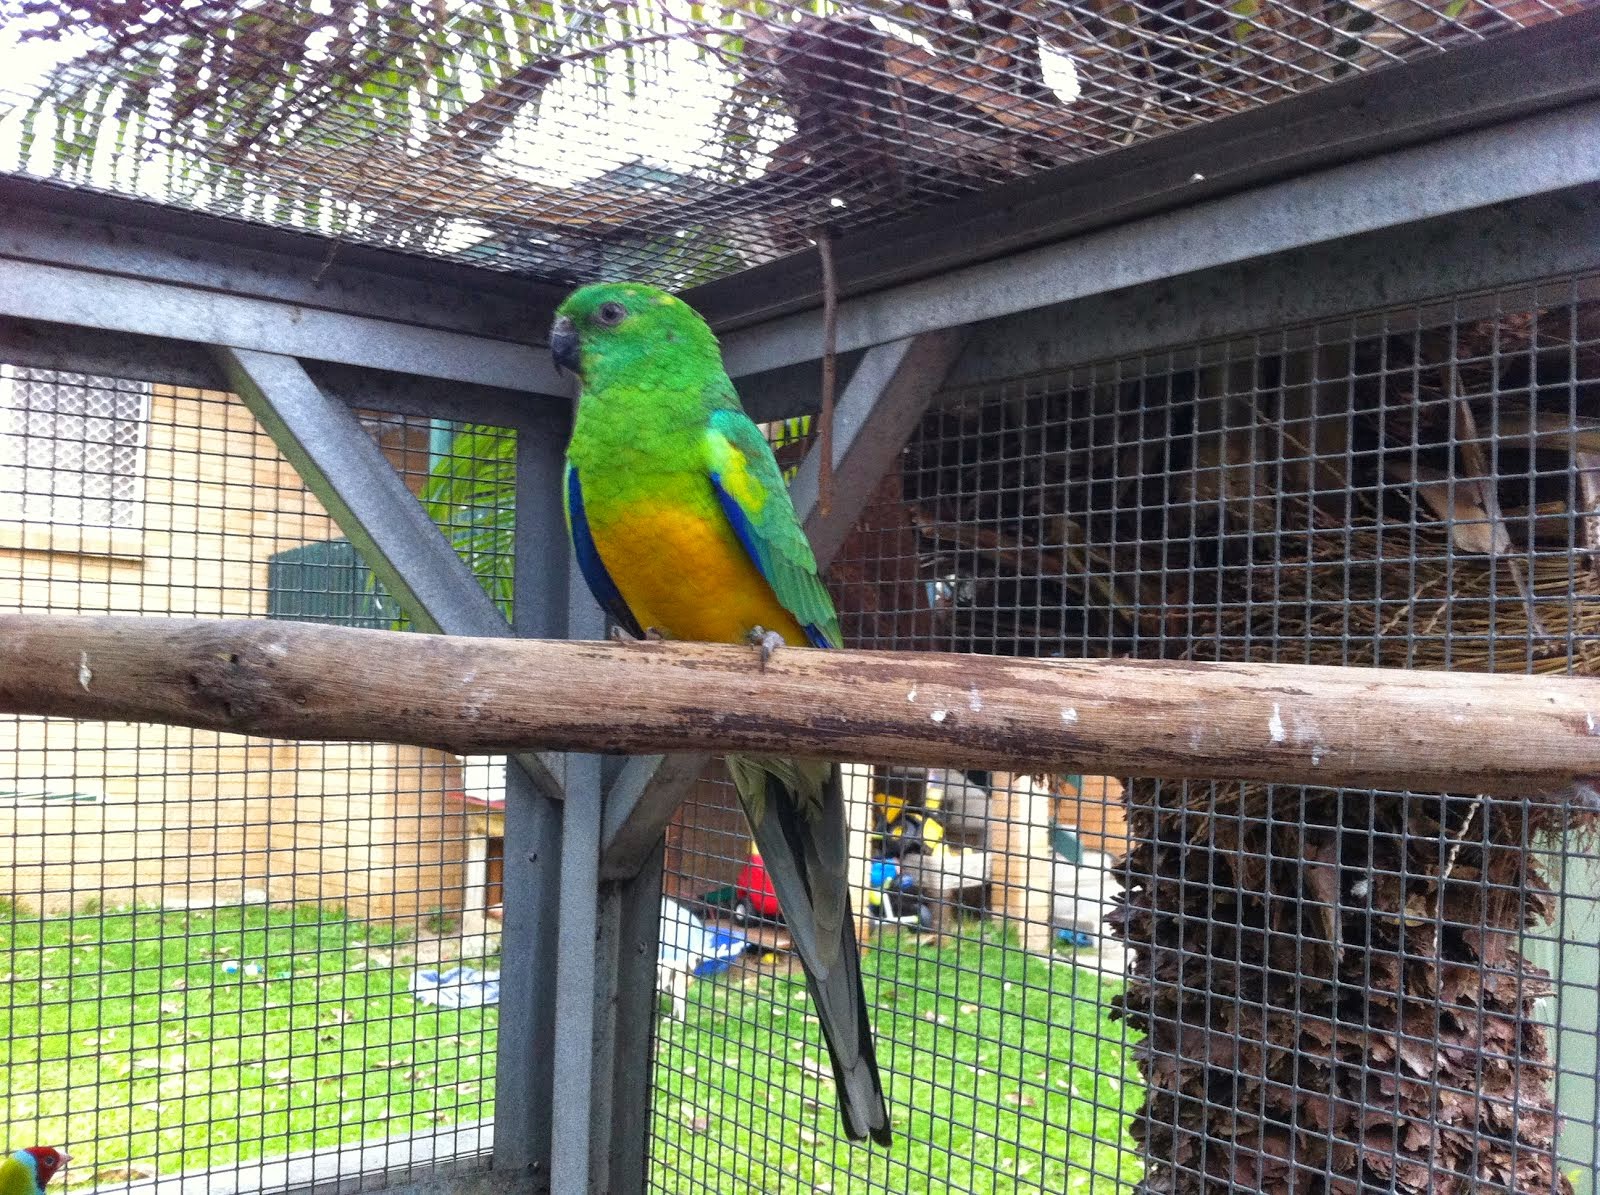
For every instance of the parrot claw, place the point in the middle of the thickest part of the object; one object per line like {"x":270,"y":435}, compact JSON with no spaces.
{"x":768,"y":641}
{"x":651,"y":635}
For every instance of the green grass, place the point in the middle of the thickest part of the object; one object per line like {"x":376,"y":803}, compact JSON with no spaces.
{"x":126,"y":1026}
{"x":122,"y":1037}
{"x":1004,"y":1073}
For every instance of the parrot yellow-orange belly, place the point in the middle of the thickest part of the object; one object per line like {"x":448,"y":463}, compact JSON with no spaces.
{"x":682,"y":570}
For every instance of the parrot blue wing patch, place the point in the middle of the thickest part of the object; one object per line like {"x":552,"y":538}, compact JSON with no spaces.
{"x":740,"y":522}
{"x":589,"y":563}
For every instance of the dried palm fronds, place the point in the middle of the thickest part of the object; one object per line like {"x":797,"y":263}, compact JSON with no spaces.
{"x":1387,"y":593}
{"x":1332,"y":985}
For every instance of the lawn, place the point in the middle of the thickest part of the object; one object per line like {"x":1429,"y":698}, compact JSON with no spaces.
{"x":128,"y":1025}
{"x":146,"y":1031}
{"x":1004,"y":1074}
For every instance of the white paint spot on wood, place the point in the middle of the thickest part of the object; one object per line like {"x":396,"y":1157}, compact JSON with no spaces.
{"x":1275,"y":724}
{"x":1588,"y":718}
{"x":1316,"y":755}
{"x":974,"y":699}
{"x":275,"y":648}
{"x":912,"y":696}
{"x":84,"y":675}
{"x":1069,"y":715}
{"x":939,"y":715}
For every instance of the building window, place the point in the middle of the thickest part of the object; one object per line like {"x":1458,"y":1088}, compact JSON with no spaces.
{"x":71,"y":447}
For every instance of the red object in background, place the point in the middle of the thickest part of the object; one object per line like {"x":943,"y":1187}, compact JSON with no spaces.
{"x":753,"y":894}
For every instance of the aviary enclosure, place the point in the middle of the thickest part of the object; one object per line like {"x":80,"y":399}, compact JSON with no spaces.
{"x":1182,"y":350}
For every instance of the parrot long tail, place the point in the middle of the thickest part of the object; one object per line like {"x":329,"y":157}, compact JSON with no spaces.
{"x":805,"y":856}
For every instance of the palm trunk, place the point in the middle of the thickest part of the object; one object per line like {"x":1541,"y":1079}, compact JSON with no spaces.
{"x":1333,"y":994}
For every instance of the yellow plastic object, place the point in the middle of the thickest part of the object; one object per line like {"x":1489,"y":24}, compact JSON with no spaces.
{"x":889,"y":808}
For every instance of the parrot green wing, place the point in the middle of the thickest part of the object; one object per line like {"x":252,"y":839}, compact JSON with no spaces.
{"x":750,"y":488}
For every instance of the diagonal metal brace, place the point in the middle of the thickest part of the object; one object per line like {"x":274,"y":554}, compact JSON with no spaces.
{"x":881,"y":405}
{"x":347,"y":471}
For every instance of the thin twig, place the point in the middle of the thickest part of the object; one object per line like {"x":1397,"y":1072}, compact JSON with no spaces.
{"x":1456,"y":840}
{"x":1489,"y":497}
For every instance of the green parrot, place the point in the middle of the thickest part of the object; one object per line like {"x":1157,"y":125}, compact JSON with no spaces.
{"x":684,"y":529}
{"x":26,"y":1171}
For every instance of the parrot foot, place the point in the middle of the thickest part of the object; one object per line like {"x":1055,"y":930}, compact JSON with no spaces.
{"x":651,"y":635}
{"x":768,"y":641}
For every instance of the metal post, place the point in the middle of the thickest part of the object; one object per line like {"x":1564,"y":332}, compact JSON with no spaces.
{"x":625,"y":1000}
{"x":525,"y":1087}
{"x":577,"y":951}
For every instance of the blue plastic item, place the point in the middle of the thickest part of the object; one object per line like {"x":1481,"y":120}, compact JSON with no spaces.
{"x":725,"y":947}
{"x":688,"y":939}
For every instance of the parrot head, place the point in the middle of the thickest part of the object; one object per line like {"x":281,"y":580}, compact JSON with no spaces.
{"x":43,"y":1161}
{"x":617,"y":330}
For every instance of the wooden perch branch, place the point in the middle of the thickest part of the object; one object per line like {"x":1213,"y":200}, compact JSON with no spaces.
{"x":1276,"y":722}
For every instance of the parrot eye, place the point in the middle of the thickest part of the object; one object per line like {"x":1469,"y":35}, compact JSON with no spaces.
{"x":611,"y":314}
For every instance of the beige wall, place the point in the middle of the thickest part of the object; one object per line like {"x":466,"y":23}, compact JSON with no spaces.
{"x":192,"y":817}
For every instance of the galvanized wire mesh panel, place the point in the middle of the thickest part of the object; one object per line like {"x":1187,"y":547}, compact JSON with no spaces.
{"x":1279,"y":987}
{"x":663,"y":141}
{"x":221,"y":956}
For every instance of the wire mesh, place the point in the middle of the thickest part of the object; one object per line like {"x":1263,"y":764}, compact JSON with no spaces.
{"x":253,"y":963}
{"x":1095,"y":983}
{"x":667,"y":142}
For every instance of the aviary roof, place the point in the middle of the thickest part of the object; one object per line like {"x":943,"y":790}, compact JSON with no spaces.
{"x":665,"y":140}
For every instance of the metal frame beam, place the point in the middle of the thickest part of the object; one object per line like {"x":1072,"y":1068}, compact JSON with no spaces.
{"x":176,"y":363}
{"x":348,"y":473}
{"x":1531,"y":156}
{"x":1503,"y":247}
{"x":872,"y":420}
{"x":147,"y":306}
{"x":105,"y":283}
{"x":116,"y":235}
{"x":626,"y":1002}
{"x":578,"y":956}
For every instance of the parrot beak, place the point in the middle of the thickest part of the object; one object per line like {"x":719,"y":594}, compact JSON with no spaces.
{"x":564,"y":344}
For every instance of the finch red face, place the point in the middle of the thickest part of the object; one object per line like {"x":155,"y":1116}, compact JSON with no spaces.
{"x":49,"y":1161}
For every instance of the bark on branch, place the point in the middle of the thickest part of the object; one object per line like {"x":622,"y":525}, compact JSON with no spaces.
{"x":1499,"y":734}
